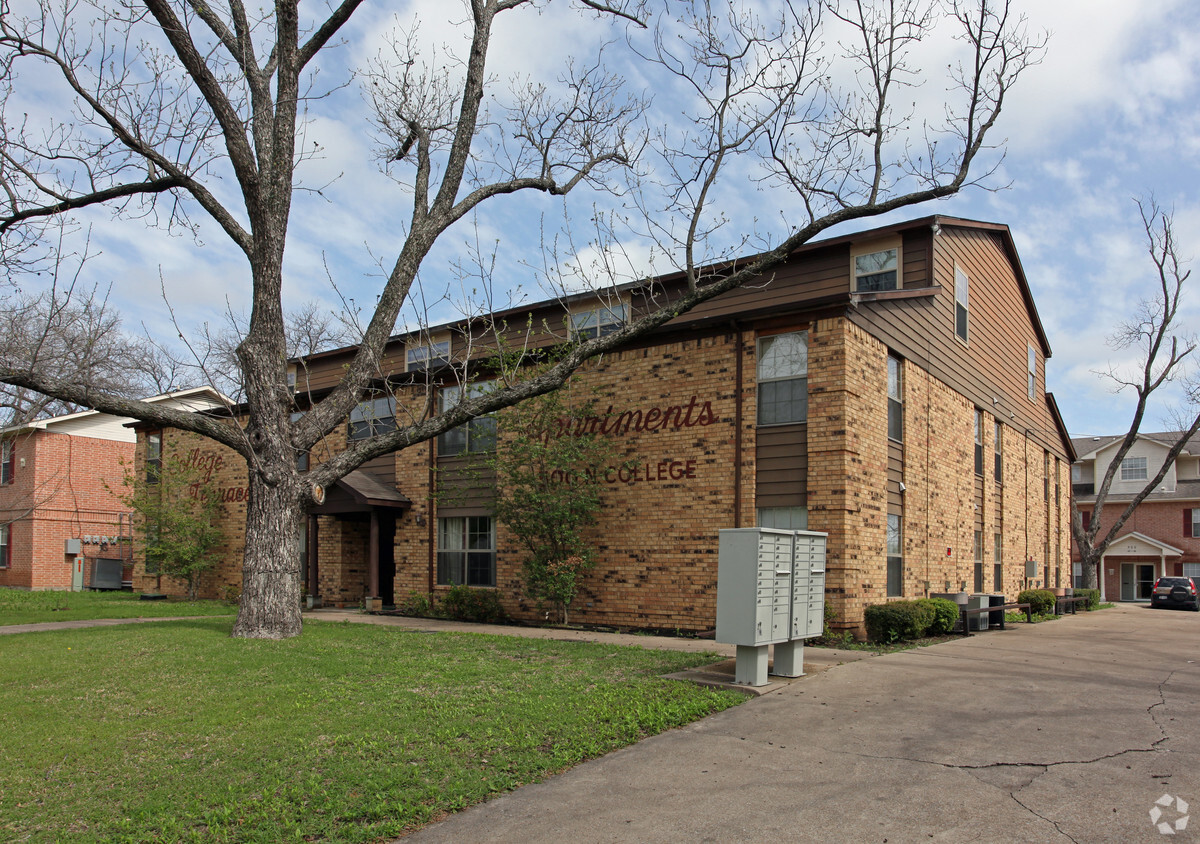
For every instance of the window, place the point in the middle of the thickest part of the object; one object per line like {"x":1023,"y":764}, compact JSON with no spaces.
{"x":1076,"y":472}
{"x":1077,"y":573}
{"x":599,"y":322}
{"x":477,"y":436}
{"x":895,"y":400}
{"x":997,"y":567}
{"x":999,"y":461}
{"x":783,"y":378}
{"x":1046,"y":485}
{"x":784,"y":518}
{"x":1133,"y":469}
{"x":1189,"y":569}
{"x":5,"y":546}
{"x":960,"y":304}
{"x":1191,"y":522}
{"x":8,"y":463}
{"x":301,"y":456}
{"x":895,"y":555}
{"x":153,"y":456}
{"x":978,"y":561}
{"x":466,"y":551}
{"x":372,"y":418}
{"x":423,"y":357}
{"x":1031,"y":372}
{"x":978,"y":442}
{"x":876,"y":271}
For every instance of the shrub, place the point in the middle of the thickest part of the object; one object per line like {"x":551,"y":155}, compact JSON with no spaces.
{"x":898,"y":620}
{"x":416,"y":604}
{"x":945,"y":615}
{"x":1092,"y":595}
{"x":1041,"y":601}
{"x":462,"y":603}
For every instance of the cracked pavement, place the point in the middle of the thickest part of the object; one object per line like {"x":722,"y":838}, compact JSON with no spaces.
{"x":1067,"y":731}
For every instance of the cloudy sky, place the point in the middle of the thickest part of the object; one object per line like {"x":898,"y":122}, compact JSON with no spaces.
{"x":1107,"y":117}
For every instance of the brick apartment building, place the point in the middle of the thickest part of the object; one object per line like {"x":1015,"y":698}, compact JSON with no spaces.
{"x":1162,"y":536}
{"x":57,"y":478}
{"x":886,"y":387}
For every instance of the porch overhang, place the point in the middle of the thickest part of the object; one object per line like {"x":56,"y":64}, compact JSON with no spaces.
{"x":359,"y":492}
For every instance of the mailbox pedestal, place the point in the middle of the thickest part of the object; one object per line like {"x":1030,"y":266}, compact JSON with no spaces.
{"x":770,"y":591}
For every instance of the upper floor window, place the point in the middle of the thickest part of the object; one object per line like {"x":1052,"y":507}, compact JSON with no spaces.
{"x":599,"y":322}
{"x":1076,"y":473}
{"x":999,"y":461}
{"x":8,"y":464}
{"x":876,"y":271}
{"x":153,"y":456}
{"x":1193,"y":516}
{"x":372,"y":417}
{"x":423,"y":357}
{"x":301,"y":456}
{"x":477,"y":436}
{"x":783,"y":378}
{"x":895,"y":399}
{"x":1031,"y":372}
{"x":961,"y":303}
{"x":978,"y":442}
{"x":1133,"y":469}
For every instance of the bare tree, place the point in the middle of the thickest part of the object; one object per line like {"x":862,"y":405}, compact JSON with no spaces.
{"x":1165,"y":353}
{"x":171,"y":95}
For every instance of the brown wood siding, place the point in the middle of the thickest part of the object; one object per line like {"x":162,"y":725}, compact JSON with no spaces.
{"x":382,"y":469}
{"x":781,"y":460}
{"x":992,"y":364}
{"x":464,"y":486}
{"x":895,"y":476}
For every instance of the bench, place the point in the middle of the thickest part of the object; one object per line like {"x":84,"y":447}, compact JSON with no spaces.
{"x":1070,"y":605}
{"x":1001,"y":608}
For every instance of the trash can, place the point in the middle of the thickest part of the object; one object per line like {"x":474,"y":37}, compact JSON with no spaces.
{"x":978,"y":601}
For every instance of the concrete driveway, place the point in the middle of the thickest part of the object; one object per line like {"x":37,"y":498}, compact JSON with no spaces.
{"x":1064,"y":731}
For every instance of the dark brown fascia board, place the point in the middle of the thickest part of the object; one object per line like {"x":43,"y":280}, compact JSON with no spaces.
{"x":1069,"y":446}
{"x":813,"y":246}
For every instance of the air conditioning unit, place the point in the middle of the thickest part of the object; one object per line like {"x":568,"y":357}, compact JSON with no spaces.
{"x":104,"y":573}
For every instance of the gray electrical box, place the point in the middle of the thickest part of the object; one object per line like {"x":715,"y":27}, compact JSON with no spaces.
{"x":770,"y":590}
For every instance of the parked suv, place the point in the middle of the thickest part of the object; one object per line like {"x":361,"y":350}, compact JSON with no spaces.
{"x":1176,"y":592}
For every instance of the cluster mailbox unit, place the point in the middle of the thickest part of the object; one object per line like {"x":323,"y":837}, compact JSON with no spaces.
{"x":770,"y":591}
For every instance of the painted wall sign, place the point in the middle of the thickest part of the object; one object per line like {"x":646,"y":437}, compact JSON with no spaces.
{"x":638,"y":420}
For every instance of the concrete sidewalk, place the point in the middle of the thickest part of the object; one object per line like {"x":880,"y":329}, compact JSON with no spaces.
{"x":719,"y":674}
{"x":1064,"y":731}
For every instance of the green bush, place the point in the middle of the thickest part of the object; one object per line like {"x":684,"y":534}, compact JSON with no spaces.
{"x":462,"y":603}
{"x":898,"y":620}
{"x":1041,"y":601}
{"x":945,"y":615}
{"x":417,"y":604}
{"x":1093,"y":598}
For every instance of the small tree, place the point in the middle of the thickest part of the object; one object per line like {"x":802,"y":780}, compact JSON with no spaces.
{"x":1165,"y":349}
{"x":176,"y":511}
{"x":549,"y":473}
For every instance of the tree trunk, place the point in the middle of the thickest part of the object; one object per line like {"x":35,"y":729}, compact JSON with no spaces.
{"x":1088,"y":564}
{"x":270,"y":603}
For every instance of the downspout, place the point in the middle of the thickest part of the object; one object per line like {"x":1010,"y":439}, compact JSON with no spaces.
{"x":737,"y":426}
{"x":429,"y":528}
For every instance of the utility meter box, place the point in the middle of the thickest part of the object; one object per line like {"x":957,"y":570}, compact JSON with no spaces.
{"x":770,"y":586}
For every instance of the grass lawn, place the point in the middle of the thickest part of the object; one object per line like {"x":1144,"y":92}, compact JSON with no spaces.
{"x":176,"y":732}
{"x":21,"y":607}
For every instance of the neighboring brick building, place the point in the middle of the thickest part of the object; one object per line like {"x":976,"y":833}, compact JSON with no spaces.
{"x":1162,"y":536}
{"x":57,"y":478}
{"x":887,"y":387}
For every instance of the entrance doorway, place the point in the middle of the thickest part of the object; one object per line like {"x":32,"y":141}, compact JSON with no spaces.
{"x":1137,"y":581}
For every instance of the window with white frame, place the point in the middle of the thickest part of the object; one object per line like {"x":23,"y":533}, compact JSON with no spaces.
{"x":783,"y":378}
{"x":153,"y":456}
{"x":5,"y":546}
{"x":876,"y":271}
{"x":978,"y":561}
{"x":1196,"y":522}
{"x":961,"y":303}
{"x":8,"y":463}
{"x":997,"y":563}
{"x":466,"y":551}
{"x":895,"y":555}
{"x":478,"y":436}
{"x":783,"y":518}
{"x":978,"y":442}
{"x":1189,"y":569}
{"x":372,"y":417}
{"x":895,"y":399}
{"x":1133,"y":469}
{"x":599,"y":321}
{"x":426,"y":356}
{"x":1031,"y":371}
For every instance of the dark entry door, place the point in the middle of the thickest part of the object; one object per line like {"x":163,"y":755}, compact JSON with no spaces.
{"x":387,"y":559}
